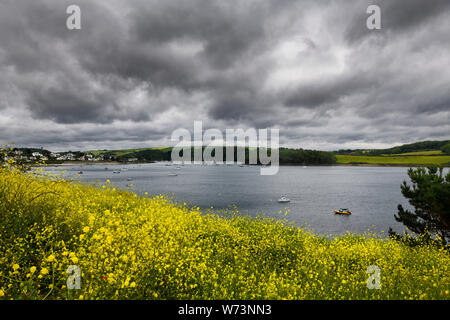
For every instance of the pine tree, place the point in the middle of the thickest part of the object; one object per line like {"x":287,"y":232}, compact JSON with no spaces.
{"x":430,"y":197}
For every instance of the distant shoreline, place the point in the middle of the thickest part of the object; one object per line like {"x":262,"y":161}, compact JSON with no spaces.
{"x":76,"y":163}
{"x":385,"y":165}
{"x":104,"y":163}
{"x":362,"y":165}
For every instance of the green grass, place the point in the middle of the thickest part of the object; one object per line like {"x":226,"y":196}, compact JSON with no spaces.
{"x":419,"y":153}
{"x":396,"y":160}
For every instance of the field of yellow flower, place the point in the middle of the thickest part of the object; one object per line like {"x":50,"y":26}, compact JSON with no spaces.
{"x":131,"y":247}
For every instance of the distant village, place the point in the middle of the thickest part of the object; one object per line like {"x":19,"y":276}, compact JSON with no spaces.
{"x":38,"y":155}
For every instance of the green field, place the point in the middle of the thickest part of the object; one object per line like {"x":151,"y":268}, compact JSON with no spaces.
{"x":419,"y":153}
{"x":395,"y":160}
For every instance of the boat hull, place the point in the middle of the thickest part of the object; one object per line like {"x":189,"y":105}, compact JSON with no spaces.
{"x":342,"y":212}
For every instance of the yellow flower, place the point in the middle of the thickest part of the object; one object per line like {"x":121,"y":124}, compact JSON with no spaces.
{"x":86,"y":229}
{"x":51,"y":258}
{"x":16,"y":267}
{"x":81,"y":297}
{"x":44,"y":271}
{"x":2,"y":293}
{"x":33,"y":269}
{"x":74,"y":259}
{"x":133,"y":284}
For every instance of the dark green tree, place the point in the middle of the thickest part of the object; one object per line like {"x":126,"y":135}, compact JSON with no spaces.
{"x":429,"y":195}
{"x":446,"y":148}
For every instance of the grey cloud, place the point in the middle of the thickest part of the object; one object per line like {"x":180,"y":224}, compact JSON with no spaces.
{"x":64,"y":107}
{"x":139,"y":69}
{"x":328,"y":91}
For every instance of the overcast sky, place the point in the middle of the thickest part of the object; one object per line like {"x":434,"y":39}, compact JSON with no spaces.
{"x":137,"y":70}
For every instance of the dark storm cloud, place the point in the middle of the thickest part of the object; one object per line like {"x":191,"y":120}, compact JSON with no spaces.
{"x":139,"y":69}
{"x":397,"y":16}
{"x":328,"y":91}
{"x":227,"y":29}
{"x":63,"y":106}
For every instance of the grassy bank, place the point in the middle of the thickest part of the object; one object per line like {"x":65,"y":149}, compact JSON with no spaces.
{"x":409,"y":160}
{"x":129,"y":247}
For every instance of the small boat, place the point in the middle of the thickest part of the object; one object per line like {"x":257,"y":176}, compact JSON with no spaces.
{"x":284,"y":199}
{"x":178,"y":168}
{"x":129,"y":179}
{"x":172,"y":174}
{"x":130,"y":185}
{"x":80,"y":172}
{"x":342,"y":211}
{"x":116,"y":171}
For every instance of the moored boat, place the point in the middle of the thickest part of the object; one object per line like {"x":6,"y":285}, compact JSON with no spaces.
{"x":284,"y":199}
{"x":342,"y":211}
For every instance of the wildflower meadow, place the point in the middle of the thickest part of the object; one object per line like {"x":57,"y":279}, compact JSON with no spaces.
{"x":131,"y":247}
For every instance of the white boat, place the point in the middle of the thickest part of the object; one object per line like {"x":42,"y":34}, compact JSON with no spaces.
{"x":284,"y":199}
{"x":172,"y":174}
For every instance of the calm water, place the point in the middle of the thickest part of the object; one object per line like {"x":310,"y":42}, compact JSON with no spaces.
{"x":371,"y":193}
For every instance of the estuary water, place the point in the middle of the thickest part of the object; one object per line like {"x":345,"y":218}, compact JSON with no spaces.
{"x":371,"y":193}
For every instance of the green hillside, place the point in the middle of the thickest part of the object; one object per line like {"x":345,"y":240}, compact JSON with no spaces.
{"x":417,"y":148}
{"x":287,"y":156}
{"x":419,"y":153}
